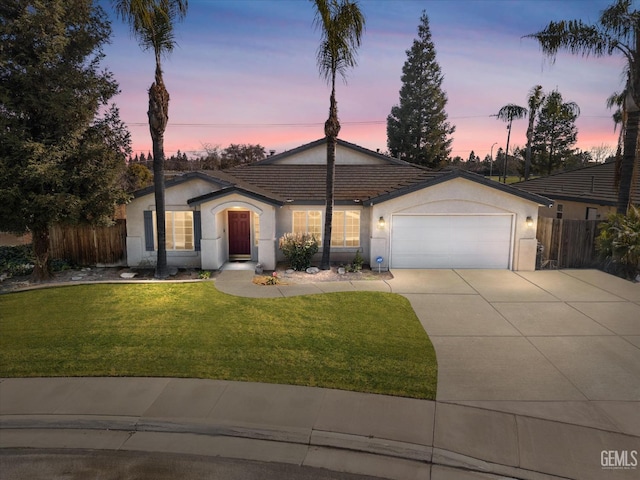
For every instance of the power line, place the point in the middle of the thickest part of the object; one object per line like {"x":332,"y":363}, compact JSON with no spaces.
{"x":310,"y":124}
{"x":254,"y":125}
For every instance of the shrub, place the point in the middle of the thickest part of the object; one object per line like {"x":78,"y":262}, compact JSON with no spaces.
{"x":298,"y":249}
{"x":16,"y":261}
{"x":619,"y":242}
{"x":358,"y":261}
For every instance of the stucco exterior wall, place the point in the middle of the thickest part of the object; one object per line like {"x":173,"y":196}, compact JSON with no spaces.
{"x":318,"y":156}
{"x":215,"y":239}
{"x":175,"y":200}
{"x":345,"y":255}
{"x":460,"y":196}
{"x":575,"y":210}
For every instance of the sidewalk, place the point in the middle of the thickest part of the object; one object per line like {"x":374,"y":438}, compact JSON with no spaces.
{"x":376,"y":435}
{"x":558,"y":429}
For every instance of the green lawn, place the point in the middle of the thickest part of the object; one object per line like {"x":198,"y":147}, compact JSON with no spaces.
{"x":361,"y":341}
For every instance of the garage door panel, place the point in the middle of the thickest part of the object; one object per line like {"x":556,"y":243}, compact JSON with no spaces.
{"x":451,"y":241}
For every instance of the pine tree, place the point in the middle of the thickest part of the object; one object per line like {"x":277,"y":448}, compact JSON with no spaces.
{"x":554,"y":134}
{"x":417,"y":128}
{"x":63,"y":146}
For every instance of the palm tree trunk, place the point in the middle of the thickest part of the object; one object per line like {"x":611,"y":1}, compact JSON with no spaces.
{"x":629,"y":160}
{"x":158,"y":117}
{"x":331,"y":130}
{"x":506,"y":153}
{"x":527,"y":159}
{"x":42,"y":263}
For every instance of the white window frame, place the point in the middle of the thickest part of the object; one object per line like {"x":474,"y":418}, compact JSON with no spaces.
{"x":305,"y":228}
{"x":343,"y":242}
{"x":337,"y":243}
{"x":171,"y":233}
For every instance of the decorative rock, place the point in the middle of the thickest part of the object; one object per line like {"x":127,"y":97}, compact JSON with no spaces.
{"x":78,"y":277}
{"x":341,"y":271}
{"x":313,"y":270}
{"x":259,"y":269}
{"x":173,"y":271}
{"x":128,"y":274}
{"x":289,"y":271}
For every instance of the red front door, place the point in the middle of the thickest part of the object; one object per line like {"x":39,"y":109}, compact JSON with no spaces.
{"x":239,"y":233}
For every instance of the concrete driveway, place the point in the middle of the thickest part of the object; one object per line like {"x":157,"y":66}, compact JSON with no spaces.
{"x":533,"y":342}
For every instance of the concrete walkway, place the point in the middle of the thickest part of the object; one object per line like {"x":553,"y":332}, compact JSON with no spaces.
{"x":539,"y":373}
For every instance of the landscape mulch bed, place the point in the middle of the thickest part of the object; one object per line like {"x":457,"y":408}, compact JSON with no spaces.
{"x":112,"y":274}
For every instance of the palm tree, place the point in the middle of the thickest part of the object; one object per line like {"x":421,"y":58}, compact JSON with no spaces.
{"x":508,"y":113}
{"x":341,"y":24}
{"x":536,"y":97}
{"x":152,"y":23}
{"x":617,"y":32}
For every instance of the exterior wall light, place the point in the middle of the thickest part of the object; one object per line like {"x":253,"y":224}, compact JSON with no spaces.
{"x":529,"y":222}
{"x":381,"y":222}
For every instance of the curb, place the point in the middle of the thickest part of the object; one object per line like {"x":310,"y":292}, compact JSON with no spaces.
{"x":404,"y":456}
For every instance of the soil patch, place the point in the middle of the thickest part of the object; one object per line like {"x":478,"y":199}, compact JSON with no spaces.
{"x":94,"y":274}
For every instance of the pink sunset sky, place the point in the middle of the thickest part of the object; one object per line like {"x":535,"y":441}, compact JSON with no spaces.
{"x":244,"y":71}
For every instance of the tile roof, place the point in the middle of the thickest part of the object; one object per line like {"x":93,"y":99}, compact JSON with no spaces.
{"x":593,"y":184}
{"x":302,"y":183}
{"x":307,"y":182}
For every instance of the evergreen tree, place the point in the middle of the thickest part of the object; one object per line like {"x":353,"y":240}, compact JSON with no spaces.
{"x":555,"y":133}
{"x":417,"y":128}
{"x":61,"y":159}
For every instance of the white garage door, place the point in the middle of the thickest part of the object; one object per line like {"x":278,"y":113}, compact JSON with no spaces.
{"x":450,"y":241}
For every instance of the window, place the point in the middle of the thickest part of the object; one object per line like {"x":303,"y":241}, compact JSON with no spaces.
{"x":345,"y":226}
{"x":592,"y":213}
{"x":180,"y":231}
{"x":256,"y":228}
{"x":559,"y":211}
{"x":308,"y":221}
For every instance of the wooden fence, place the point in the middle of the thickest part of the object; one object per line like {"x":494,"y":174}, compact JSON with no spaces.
{"x":567,"y":243}
{"x":87,"y":245}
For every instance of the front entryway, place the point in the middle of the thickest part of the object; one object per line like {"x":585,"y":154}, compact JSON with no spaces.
{"x":239,"y":235}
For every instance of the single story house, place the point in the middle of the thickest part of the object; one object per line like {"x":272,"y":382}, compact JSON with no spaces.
{"x":398,"y":215}
{"x":588,"y":193}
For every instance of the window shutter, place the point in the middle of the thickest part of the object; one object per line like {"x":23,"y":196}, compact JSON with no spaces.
{"x":148,"y":230}
{"x":197,"y":230}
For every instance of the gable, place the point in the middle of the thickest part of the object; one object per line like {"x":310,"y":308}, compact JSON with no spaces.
{"x":197,"y":183}
{"x":451,"y":177}
{"x":315,"y":153}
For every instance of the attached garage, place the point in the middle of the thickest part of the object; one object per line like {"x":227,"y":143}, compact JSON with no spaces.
{"x":452,"y":241}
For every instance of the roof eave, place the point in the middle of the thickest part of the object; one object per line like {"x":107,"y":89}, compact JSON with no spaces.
{"x":234,"y":189}
{"x":185,"y":177}
{"x":452,"y":174}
